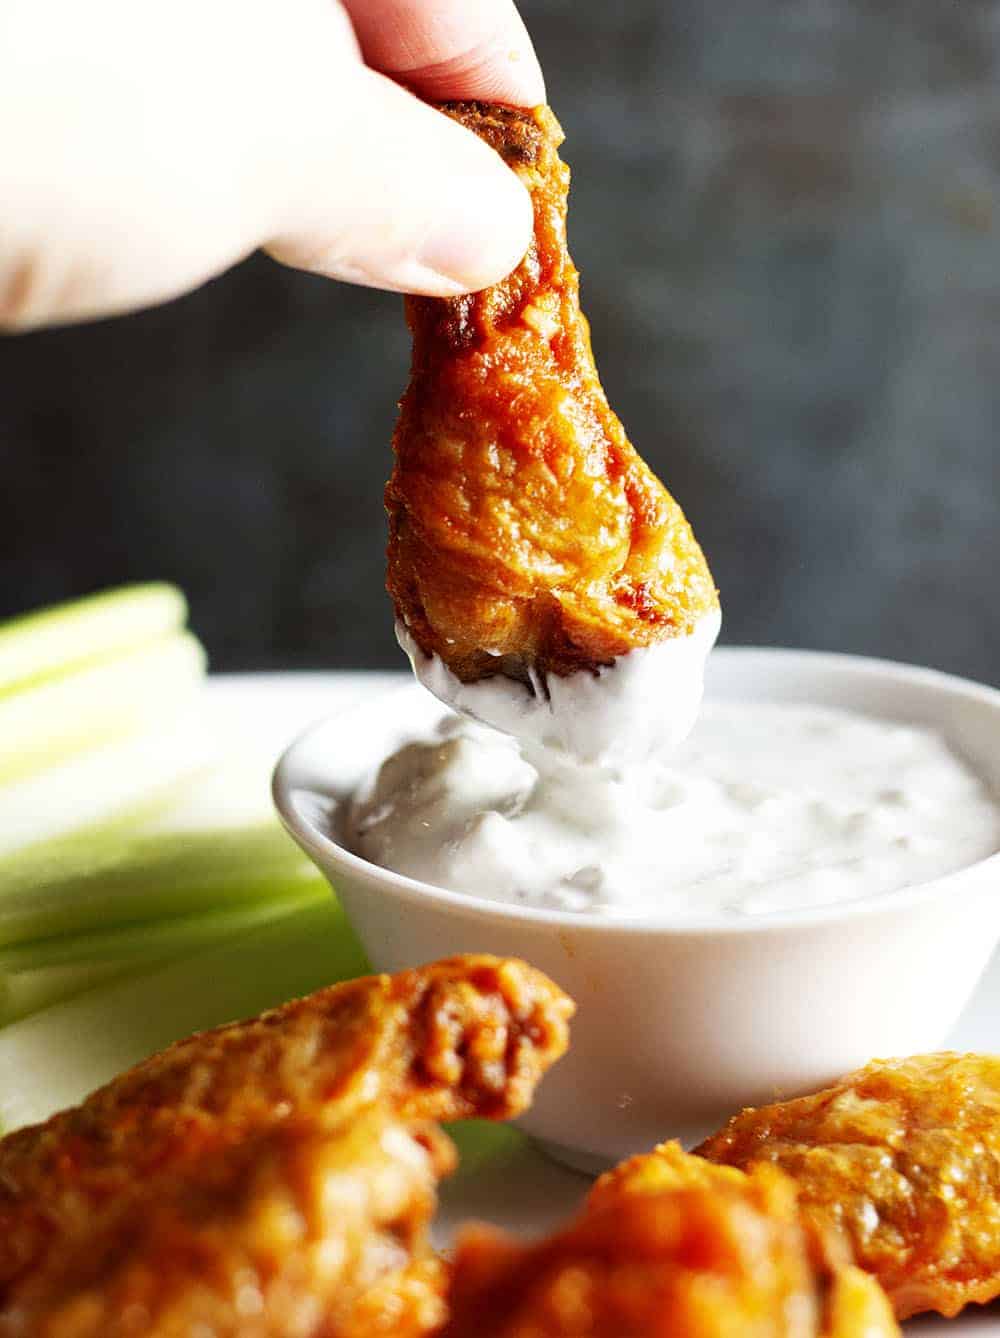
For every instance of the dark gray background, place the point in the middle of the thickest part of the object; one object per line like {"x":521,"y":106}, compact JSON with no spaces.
{"x":785,"y":218}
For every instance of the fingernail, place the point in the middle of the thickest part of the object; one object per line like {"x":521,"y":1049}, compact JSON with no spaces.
{"x":482,"y":232}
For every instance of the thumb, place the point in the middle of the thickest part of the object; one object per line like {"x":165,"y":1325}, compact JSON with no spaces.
{"x":388,"y":192}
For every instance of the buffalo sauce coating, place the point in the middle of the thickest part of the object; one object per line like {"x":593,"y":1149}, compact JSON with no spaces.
{"x":902,"y":1160}
{"x":525,"y":533}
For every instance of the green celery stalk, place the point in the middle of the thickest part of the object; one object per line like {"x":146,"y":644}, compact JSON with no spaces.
{"x":54,"y":640}
{"x":29,"y":992}
{"x":144,"y":876}
{"x":54,"y":1058}
{"x":86,"y":802}
{"x":483,"y":1143}
{"x":166,"y":937}
{"x":60,"y":717}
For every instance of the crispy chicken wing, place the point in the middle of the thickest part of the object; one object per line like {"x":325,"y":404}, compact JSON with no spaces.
{"x":902,"y":1159}
{"x":287,"y":1232}
{"x":526,"y":536}
{"x":274,"y":1177}
{"x":668,"y":1247}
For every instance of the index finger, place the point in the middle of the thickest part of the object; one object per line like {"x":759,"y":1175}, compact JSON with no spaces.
{"x":451,"y":49}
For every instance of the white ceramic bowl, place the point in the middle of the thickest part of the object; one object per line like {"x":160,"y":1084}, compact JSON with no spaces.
{"x":680,"y":1025}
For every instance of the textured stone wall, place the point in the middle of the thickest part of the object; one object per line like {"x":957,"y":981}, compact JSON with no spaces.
{"x":785,"y":218}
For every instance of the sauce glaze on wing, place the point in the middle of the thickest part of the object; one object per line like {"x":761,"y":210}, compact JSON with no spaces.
{"x":526,"y":536}
{"x":902,"y":1159}
{"x":668,"y":1246}
{"x":273,"y":1178}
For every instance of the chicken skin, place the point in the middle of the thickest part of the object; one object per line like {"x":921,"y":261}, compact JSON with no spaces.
{"x":287,"y":1232}
{"x":902,"y":1160}
{"x":668,"y":1247}
{"x":274,"y":1177}
{"x":526,"y":537}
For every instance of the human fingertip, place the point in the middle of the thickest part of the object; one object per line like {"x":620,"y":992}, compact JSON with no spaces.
{"x":453,"y":49}
{"x":481,"y":233}
{"x":524,"y":74}
{"x":501,"y":70}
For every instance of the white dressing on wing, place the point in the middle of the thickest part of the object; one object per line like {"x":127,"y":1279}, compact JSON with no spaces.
{"x":764,"y":808}
{"x":640,"y":706}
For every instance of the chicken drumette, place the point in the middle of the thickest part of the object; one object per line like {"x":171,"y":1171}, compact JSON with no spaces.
{"x":275,"y":1177}
{"x":669,"y":1246}
{"x":902,"y":1161}
{"x":527,"y":539}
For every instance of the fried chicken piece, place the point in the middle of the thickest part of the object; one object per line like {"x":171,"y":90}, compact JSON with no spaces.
{"x":293,"y":1148}
{"x":902,"y":1160}
{"x":289,"y":1232}
{"x":526,"y":536}
{"x":668,"y":1248}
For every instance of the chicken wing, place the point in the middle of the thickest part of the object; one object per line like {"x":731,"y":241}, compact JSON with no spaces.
{"x":290,"y":1232}
{"x":902,"y":1159}
{"x":274,"y":1177}
{"x":526,"y":537}
{"x":668,"y":1248}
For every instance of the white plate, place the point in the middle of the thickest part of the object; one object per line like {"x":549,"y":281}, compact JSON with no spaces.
{"x":519,"y":1188}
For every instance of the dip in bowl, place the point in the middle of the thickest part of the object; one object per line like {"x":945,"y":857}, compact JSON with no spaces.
{"x":691,"y":1006}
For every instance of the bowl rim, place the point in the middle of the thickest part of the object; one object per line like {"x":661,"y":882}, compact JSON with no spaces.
{"x":329,"y":854}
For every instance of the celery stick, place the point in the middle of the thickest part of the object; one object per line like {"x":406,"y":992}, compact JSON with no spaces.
{"x":84,"y":802}
{"x":59,"y":717}
{"x":54,"y":1058}
{"x":144,"y":876}
{"x":29,"y":992}
{"x":482,"y":1143}
{"x":168,"y":936}
{"x":60,"y":638}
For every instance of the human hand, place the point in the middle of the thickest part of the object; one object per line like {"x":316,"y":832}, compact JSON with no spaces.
{"x":145,"y":147}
